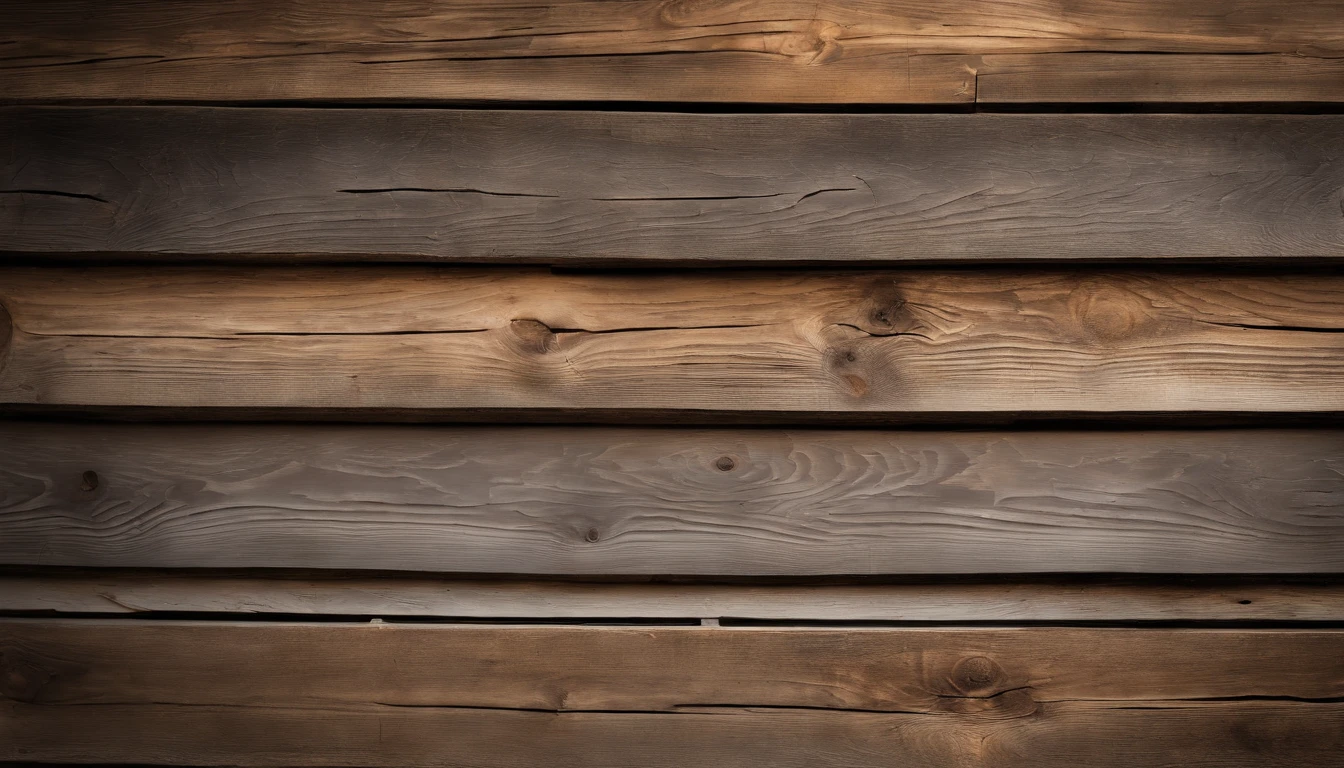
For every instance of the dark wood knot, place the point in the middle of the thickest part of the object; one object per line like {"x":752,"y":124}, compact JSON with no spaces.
{"x":20,"y":679}
{"x":976,"y":675}
{"x":534,"y":336}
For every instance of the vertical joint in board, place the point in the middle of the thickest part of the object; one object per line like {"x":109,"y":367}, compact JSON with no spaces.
{"x":6,"y":334}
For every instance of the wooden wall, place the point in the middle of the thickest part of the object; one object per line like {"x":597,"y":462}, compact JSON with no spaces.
{"x":678,"y":383}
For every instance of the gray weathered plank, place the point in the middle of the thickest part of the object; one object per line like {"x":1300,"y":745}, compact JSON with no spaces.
{"x":567,"y":187}
{"x":833,"y":51}
{"x":361,"y":695}
{"x":565,"y":500}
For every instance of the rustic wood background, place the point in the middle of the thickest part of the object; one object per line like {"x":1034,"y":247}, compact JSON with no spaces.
{"x":672,"y":383}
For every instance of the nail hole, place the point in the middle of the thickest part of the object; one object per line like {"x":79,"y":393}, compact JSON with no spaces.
{"x":725,"y":463}
{"x":89,"y":481}
{"x":1243,"y":602}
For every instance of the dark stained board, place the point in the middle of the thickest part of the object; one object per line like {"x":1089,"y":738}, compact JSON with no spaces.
{"x":563,"y":500}
{"x":1078,"y":598}
{"x":424,"y":342}
{"x":837,"y":51}
{"x":621,"y":188}
{"x":388,"y":695}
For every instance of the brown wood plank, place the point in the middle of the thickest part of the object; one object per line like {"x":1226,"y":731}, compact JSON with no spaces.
{"x":1231,"y":734}
{"x":1064,"y":78}
{"x":941,"y":600}
{"x":361,"y":695}
{"x":837,"y":51}
{"x":599,"y":501}
{"x":433,"y":343}
{"x":619,"y":188}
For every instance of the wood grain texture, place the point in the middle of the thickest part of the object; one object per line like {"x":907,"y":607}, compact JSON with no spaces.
{"x":927,"y":600}
{"x":614,"y":188}
{"x":351,"y":695}
{"x":1070,"y":78}
{"x":837,"y":51}
{"x":702,"y":502}
{"x":436,"y":343}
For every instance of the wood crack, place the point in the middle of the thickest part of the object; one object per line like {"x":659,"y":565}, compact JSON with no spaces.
{"x":82,"y":62}
{"x":1288,"y":328}
{"x":53,"y":193}
{"x":537,"y":56}
{"x":452,"y":331}
{"x":1158,"y":703}
{"x":645,"y":329}
{"x":650,"y":199}
{"x":445,"y":190}
{"x":988,"y":697}
{"x":882,"y":334}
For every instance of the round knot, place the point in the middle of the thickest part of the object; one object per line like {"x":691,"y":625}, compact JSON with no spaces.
{"x":976,"y":674}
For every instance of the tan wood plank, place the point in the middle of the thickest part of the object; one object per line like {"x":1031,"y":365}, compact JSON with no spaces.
{"x":638,"y":188}
{"x":136,"y":592}
{"x":1064,"y":78}
{"x":838,"y":51}
{"x":361,"y":695}
{"x":597,"y":501}
{"x":433,"y":343}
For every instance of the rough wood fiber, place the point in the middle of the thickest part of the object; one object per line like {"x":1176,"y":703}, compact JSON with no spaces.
{"x":839,"y":51}
{"x":639,"y":501}
{"x":942,"y":600}
{"x":1062,"y":78}
{"x":590,"y":187}
{"x":350,"y":695}
{"x":435,"y":343}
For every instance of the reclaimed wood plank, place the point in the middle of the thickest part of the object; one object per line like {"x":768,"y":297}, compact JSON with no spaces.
{"x":619,"y":501}
{"x":1114,"y":78}
{"x":886,"y":347}
{"x":928,"y":600}
{"x":1133,"y":734}
{"x":837,"y":51}
{"x":361,"y":695}
{"x":641,"y":188}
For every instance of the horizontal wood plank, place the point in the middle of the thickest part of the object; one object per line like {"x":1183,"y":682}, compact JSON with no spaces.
{"x":1114,"y":78}
{"x":434,"y":343}
{"x":614,"y":188}
{"x":351,"y":695}
{"x":942,"y":600}
{"x":837,"y":51}
{"x":600,"y":501}
{"x":1228,"y":734}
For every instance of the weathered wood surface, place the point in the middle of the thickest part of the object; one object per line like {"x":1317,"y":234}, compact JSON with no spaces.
{"x":1063,"y":78}
{"x":435,"y":343}
{"x":589,"y":187}
{"x":839,"y":51}
{"x":1107,"y":599}
{"x":645,"y":501}
{"x":361,"y":695}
